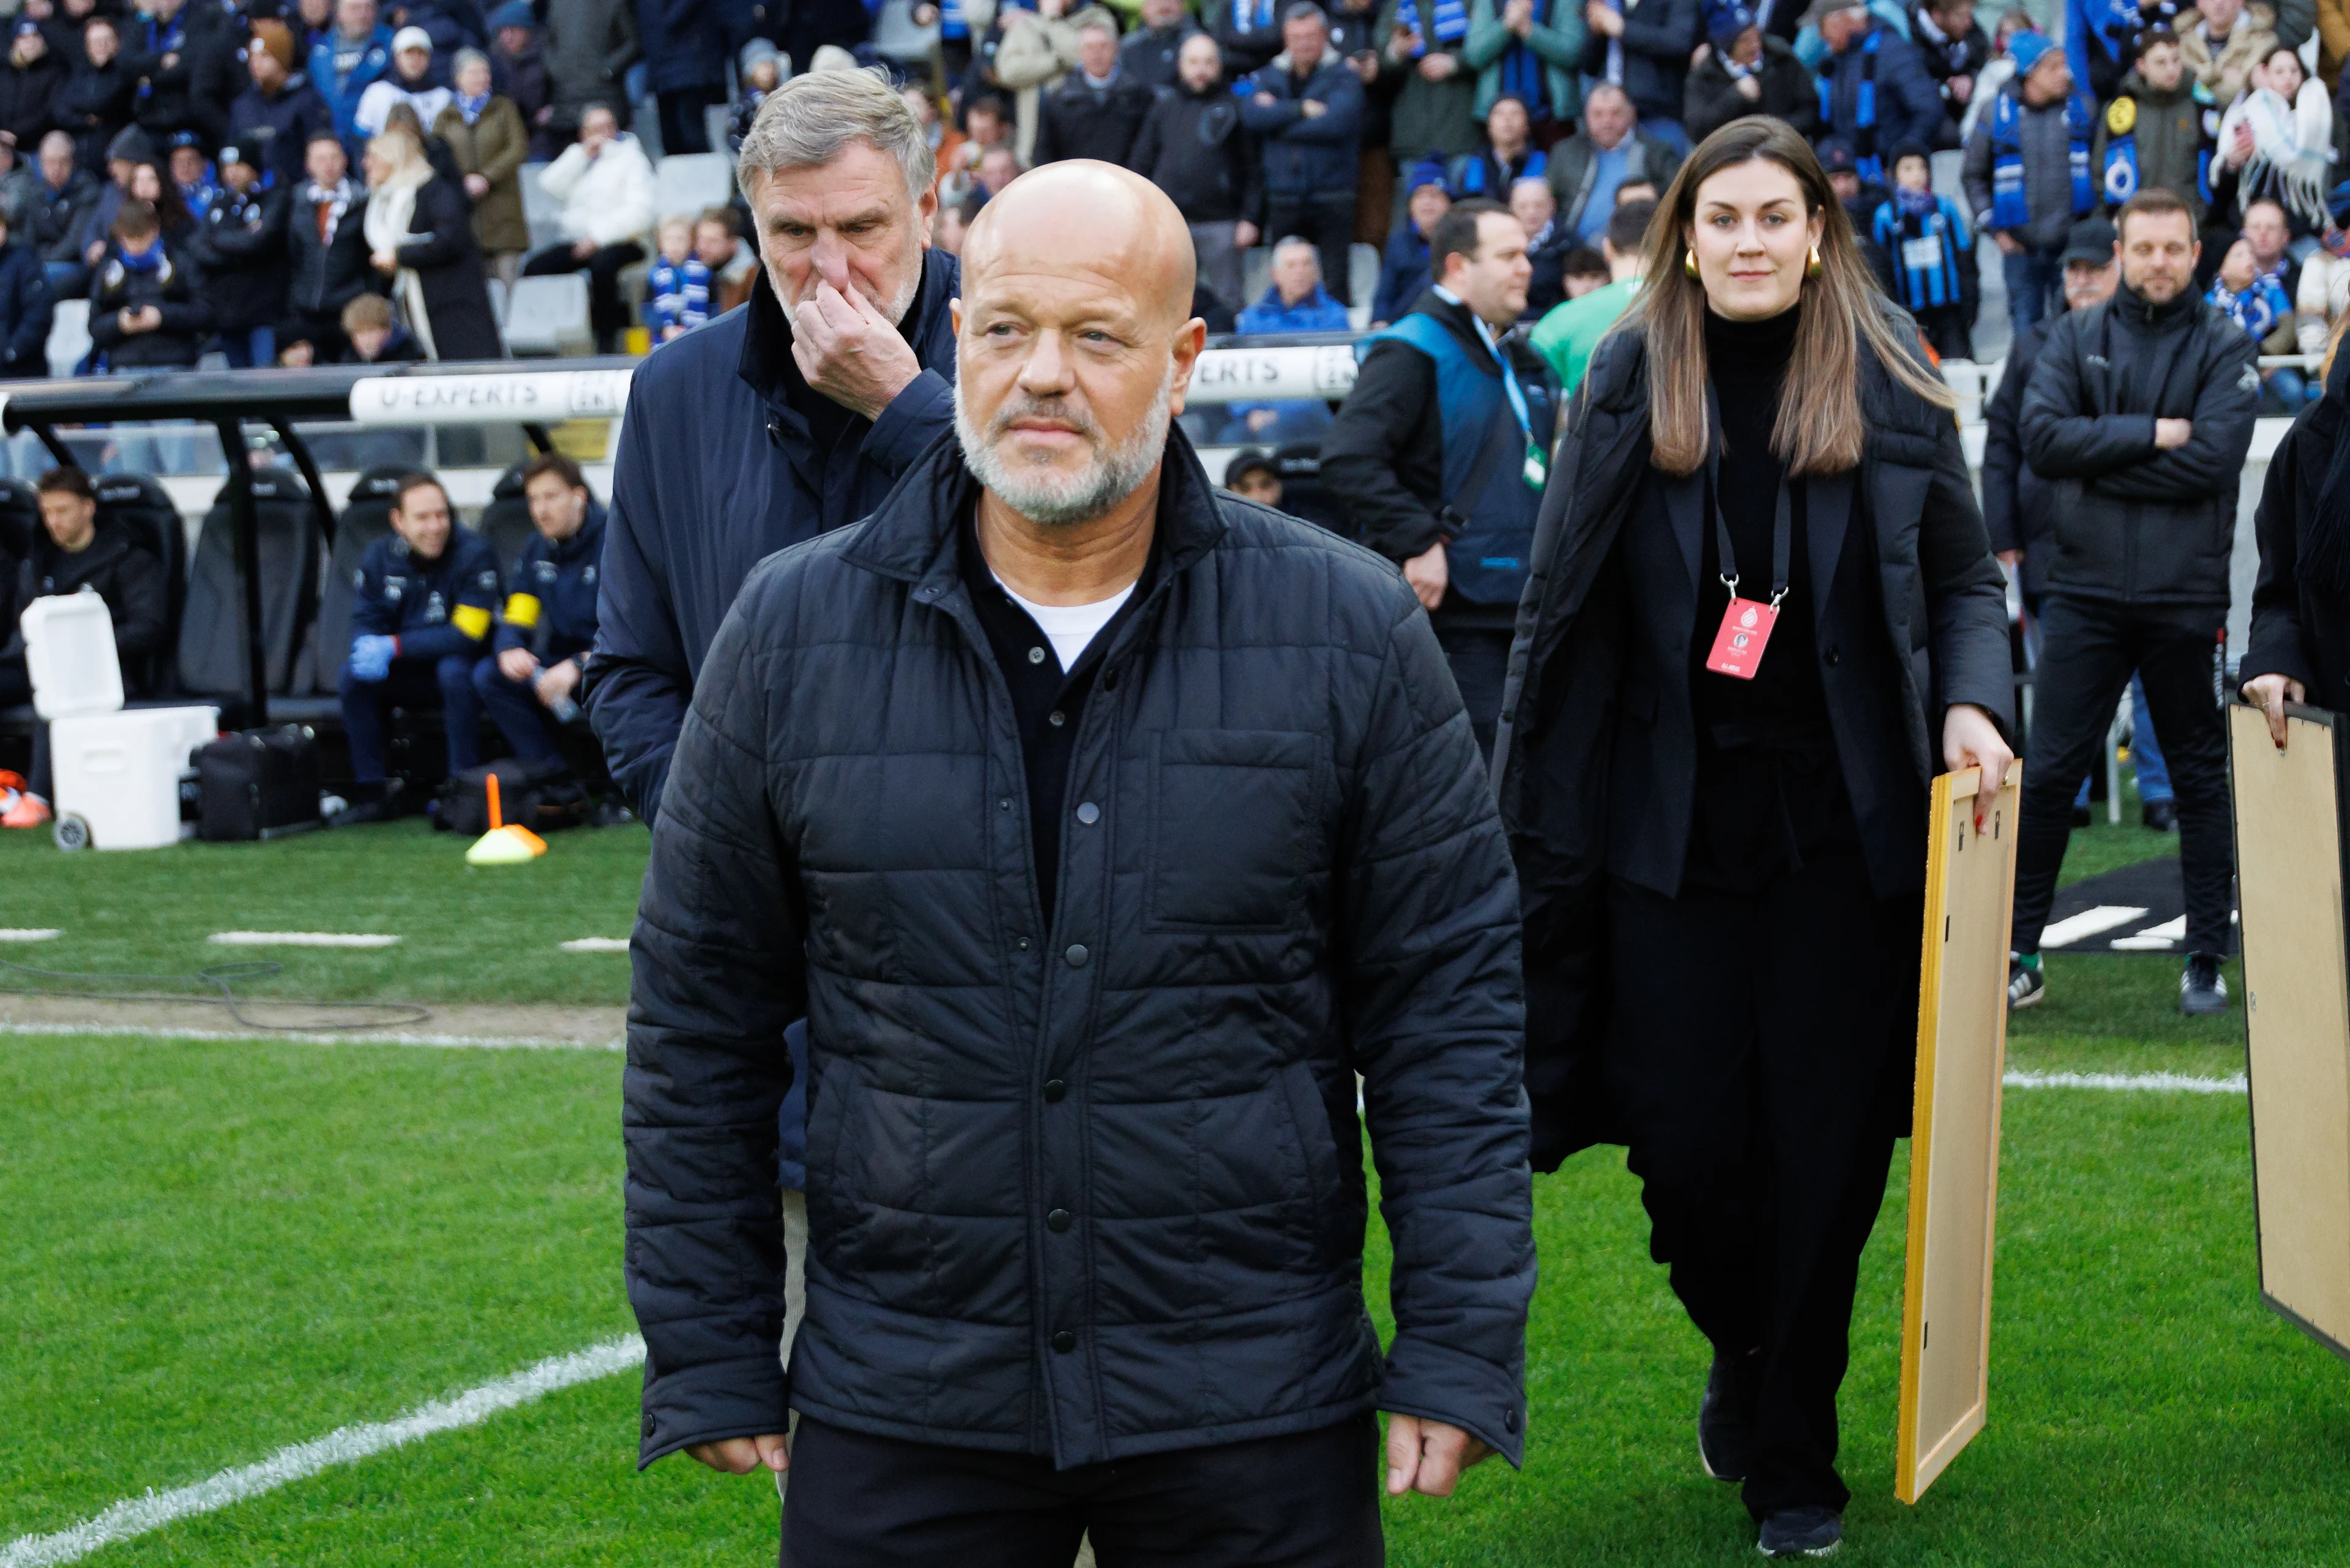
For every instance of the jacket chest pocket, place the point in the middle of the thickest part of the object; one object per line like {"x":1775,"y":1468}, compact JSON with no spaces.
{"x":1232,"y":827}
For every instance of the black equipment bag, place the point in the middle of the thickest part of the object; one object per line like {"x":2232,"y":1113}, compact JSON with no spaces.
{"x":257,"y":784}
{"x":542,"y":802}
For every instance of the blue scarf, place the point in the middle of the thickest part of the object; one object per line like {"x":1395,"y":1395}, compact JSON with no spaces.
{"x":149,"y":262}
{"x":1255,"y":15}
{"x":1452,"y":22}
{"x":471,"y":108}
{"x":1524,"y":76}
{"x":1865,"y":161}
{"x":2009,"y":208}
{"x":953,"y":22}
{"x":162,"y":38}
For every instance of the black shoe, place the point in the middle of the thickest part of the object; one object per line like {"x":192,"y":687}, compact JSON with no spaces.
{"x":611,"y":813}
{"x":1725,"y":1422}
{"x":2025,"y":985}
{"x":1807,"y":1532}
{"x":369,"y":803}
{"x":2200,"y":988}
{"x":2161,"y":816}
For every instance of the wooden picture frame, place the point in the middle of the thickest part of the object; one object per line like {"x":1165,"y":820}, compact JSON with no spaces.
{"x":1954,"y":1139}
{"x":2290,"y":846}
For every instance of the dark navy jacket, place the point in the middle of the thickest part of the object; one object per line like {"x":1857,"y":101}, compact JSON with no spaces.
{"x":434,"y":607}
{"x":1305,"y":158}
{"x":26,"y":312}
{"x":716,"y":472}
{"x":554,"y":588}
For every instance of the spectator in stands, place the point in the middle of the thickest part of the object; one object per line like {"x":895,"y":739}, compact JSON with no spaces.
{"x":1568,"y":334}
{"x":1587,"y":169}
{"x":987,"y":123}
{"x":419,"y":613}
{"x":1253,"y":476}
{"x":19,"y":188}
{"x":998,"y":167}
{"x":26,"y":309}
{"x":62,"y":201}
{"x":1434,"y":393}
{"x":606,"y":186}
{"x":530,"y":685}
{"x":945,"y":140}
{"x":1294,"y":302}
{"x":94,"y":102}
{"x":2141,"y":410}
{"x":2154,"y":136}
{"x":2224,"y":45}
{"x":685,"y":47}
{"x":184,"y":67}
{"x":1098,"y":111}
{"x":760,"y":69}
{"x":2276,"y":142}
{"x":420,"y":238}
{"x":2103,"y":38}
{"x":733,"y":266}
{"x":1308,"y":113}
{"x":1151,"y":53}
{"x":486,"y":135}
{"x":1645,"y":48}
{"x":1746,"y":71}
{"x":1952,"y":49}
{"x":518,"y":74}
{"x":414,"y":80}
{"x":2028,"y":172}
{"x":192,"y":174}
{"x":352,"y":59}
{"x":326,"y":233}
{"x":375,"y":335}
{"x":1024,"y":52}
{"x":242,"y":249}
{"x":312,"y":23}
{"x":274,"y":118}
{"x":1529,"y":50}
{"x":1403,"y":269}
{"x":29,"y":83}
{"x":149,"y":183}
{"x":1193,"y":147}
{"x":1874,"y":88}
{"x":589,"y":45}
{"x":680,"y":289}
{"x":1547,"y":244}
{"x":72,"y":553}
{"x":1431,"y":88}
{"x":1508,"y":156}
{"x":1249,"y":32}
{"x":146,"y":311}
{"x":1930,"y":255}
{"x":814,"y":24}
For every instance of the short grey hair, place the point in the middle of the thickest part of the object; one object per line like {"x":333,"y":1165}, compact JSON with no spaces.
{"x":1296,"y":241}
{"x":466,"y":57}
{"x":1306,"y":11}
{"x":807,"y":121}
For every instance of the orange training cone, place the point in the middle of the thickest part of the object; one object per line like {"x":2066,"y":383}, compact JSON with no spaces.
{"x":502,"y":845}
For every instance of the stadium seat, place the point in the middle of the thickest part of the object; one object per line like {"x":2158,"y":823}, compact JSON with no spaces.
{"x":1363,"y":280}
{"x":548,"y":316}
{"x":288,"y":546}
{"x":365,"y":519}
{"x":542,"y":212}
{"x":498,"y":301}
{"x":686,"y":182}
{"x":506,"y":521}
{"x":896,"y":37}
{"x":136,"y":503}
{"x":69,"y":336}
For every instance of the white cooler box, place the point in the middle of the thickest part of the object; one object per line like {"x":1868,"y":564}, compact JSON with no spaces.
{"x":116,"y":770}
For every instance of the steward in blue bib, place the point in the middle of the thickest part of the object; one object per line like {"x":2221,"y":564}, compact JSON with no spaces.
{"x":2010,"y":207}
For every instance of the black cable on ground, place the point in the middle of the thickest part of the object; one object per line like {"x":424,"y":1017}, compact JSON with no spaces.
{"x":221,"y":978}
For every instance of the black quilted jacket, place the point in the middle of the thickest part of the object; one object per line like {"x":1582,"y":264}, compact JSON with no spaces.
{"x":1093,"y":1190}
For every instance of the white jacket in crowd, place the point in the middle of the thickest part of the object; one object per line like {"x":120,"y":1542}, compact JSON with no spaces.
{"x":607,"y":198}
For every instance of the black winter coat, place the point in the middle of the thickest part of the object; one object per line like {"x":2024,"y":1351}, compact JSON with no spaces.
{"x":276,"y":131}
{"x":1193,"y":147}
{"x":173,"y":288}
{"x":685,"y":43}
{"x":327,"y":274}
{"x":240,"y":246}
{"x":59,"y":215}
{"x":27,"y":313}
{"x":1305,"y":158}
{"x":1091,"y":1189}
{"x":2134,"y":523}
{"x":2019,"y":506}
{"x":2301,"y":625}
{"x":1659,"y":35}
{"x":26,"y":96}
{"x":717,"y":469}
{"x":92,"y":105}
{"x":185,"y":75}
{"x":447,"y":261}
{"x":1074,"y":120}
{"x":1710,"y":99}
{"x":1596,"y":760}
{"x":129,"y":578}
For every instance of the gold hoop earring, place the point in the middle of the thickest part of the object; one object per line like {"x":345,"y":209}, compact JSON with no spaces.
{"x":1813,"y":267}
{"x":1689,"y":263}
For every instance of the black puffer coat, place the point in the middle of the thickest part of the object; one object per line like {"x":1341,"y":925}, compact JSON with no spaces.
{"x":2301,"y":605}
{"x":1294,"y":875}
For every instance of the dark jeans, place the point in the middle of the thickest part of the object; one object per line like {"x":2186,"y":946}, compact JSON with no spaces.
{"x":1329,"y":223}
{"x":2035,"y":284}
{"x":1761,"y":1107}
{"x":2087,"y":650}
{"x":415,"y":683}
{"x":1480,"y":666}
{"x":608,"y":313}
{"x":683,"y":128}
{"x":520,"y":716}
{"x":250,"y":349}
{"x":17,"y":687}
{"x":1308,"y":1501}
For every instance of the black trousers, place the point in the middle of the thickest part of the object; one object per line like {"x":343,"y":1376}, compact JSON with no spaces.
{"x":1481,"y":667}
{"x":2087,"y":650}
{"x":15,"y":687}
{"x":1760,"y":1096}
{"x":1308,"y":1501}
{"x":608,"y":313}
{"x":683,"y":128}
{"x":1329,"y":223}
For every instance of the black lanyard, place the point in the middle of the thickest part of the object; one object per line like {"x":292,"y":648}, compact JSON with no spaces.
{"x":1783,"y":526}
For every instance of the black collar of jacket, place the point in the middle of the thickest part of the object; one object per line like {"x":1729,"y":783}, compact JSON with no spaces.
{"x":106,"y":546}
{"x":911,"y":535}
{"x":767,"y":365}
{"x":2141,"y":314}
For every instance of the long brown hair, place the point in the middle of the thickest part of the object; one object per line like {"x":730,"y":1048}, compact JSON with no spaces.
{"x":1819,"y":426}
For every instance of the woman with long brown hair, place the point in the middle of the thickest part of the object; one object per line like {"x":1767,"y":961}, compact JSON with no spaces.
{"x":1762,"y":614}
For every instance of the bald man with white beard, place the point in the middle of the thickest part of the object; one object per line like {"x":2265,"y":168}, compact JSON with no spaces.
{"x":1105,"y":827}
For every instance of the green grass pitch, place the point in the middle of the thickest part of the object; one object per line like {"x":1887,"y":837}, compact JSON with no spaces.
{"x":214,"y":1249}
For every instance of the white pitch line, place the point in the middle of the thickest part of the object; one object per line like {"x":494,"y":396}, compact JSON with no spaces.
{"x":2155,"y":1082}
{"x":302,"y":939}
{"x":322,"y":1037}
{"x":29,"y":933}
{"x":2087,"y":923}
{"x":596,"y":945}
{"x":345,"y":1445}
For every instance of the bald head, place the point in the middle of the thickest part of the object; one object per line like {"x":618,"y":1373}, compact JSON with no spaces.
{"x":1072,"y":360}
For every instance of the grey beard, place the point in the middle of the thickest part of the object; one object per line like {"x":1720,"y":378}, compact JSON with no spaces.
{"x":1048,"y":499}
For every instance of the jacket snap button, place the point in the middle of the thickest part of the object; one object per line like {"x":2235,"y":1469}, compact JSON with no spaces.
{"x":1053,"y":1091}
{"x":1077,"y":956}
{"x":1509,"y":1420}
{"x":1058,"y":1220}
{"x":1088,"y":813}
{"x":1005,"y":804}
{"x":1830,"y":657}
{"x":1056,"y":718}
{"x":1064,"y":1342}
{"x":1021,"y":944}
{"x":1036,"y":656}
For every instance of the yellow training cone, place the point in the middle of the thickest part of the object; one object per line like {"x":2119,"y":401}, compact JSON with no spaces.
{"x":503,"y":844}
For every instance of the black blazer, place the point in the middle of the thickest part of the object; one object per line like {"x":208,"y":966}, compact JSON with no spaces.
{"x":2301,"y":623}
{"x":1596,"y":762}
{"x":447,"y":264}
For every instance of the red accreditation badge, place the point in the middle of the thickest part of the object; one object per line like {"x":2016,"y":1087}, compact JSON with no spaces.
{"x":1745,"y":632}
